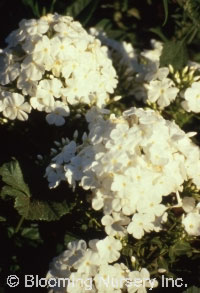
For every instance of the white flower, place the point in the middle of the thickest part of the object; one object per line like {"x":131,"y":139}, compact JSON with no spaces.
{"x":108,"y":279}
{"x":62,"y":48}
{"x":140,"y":223}
{"x":9,"y":70}
{"x":42,"y":53}
{"x":193,"y":168}
{"x":29,"y":44}
{"x":52,"y":87}
{"x":58,"y":268}
{"x":108,"y":249}
{"x":154,"y":54}
{"x":2,"y":105}
{"x":66,"y":154}
{"x":58,"y":111}
{"x":43,"y":100}
{"x":188,"y":204}
{"x":31,"y":69}
{"x":33,"y":26}
{"x":88,"y":264}
{"x":80,"y":283}
{"x":24,"y":83}
{"x":58,"y":60}
{"x":192,"y":98}
{"x":151,"y":205}
{"x":74,"y":170}
{"x":140,"y":281}
{"x":87,"y":269}
{"x":54,"y":174}
{"x":15,"y":107}
{"x":76,"y":252}
{"x":77,"y":245}
{"x":163,"y":92}
{"x":128,"y":163}
{"x":98,"y":201}
{"x":15,"y":37}
{"x":114,"y":224}
{"x":156,"y":73}
{"x":192,"y":224}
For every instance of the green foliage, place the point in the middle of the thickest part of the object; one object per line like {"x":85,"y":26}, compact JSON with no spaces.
{"x":161,"y":250}
{"x":77,"y":7}
{"x":83,"y":9}
{"x":34,"y":5}
{"x":12,"y":175}
{"x":192,"y":7}
{"x":165,"y":4}
{"x":40,"y":210}
{"x":174,"y":53}
{"x":31,"y":233}
{"x":25,"y":205}
{"x":181,"y":247}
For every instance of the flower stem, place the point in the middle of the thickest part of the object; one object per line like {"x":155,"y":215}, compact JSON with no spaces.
{"x":19,"y":224}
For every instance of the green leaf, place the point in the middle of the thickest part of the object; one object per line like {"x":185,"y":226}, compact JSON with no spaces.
{"x":104,"y":24}
{"x":2,"y":219}
{"x":162,"y":263}
{"x":165,"y":4}
{"x":52,"y":6}
{"x":117,"y":34}
{"x":31,"y":233}
{"x":87,"y":13}
{"x":28,"y":208}
{"x":156,"y":241}
{"x":192,"y":7}
{"x":40,"y":210}
{"x":12,"y":175}
{"x":159,"y":33}
{"x":127,"y":251}
{"x":174,"y":53}
{"x":34,"y":6}
{"x":124,"y":5}
{"x":75,"y":9}
{"x":9,"y":190}
{"x":192,"y":290}
{"x":179,"y":248}
{"x":35,"y":209}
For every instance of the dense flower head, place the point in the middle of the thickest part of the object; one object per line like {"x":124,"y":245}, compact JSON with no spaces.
{"x":52,"y":62}
{"x":128,"y":163}
{"x":141,"y":75}
{"x":82,"y":269}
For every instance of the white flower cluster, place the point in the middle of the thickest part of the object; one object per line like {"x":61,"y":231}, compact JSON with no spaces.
{"x":152,"y":82}
{"x":130,"y":163}
{"x":122,"y":53}
{"x":140,"y":74}
{"x":82,"y":269}
{"x":51,"y":63}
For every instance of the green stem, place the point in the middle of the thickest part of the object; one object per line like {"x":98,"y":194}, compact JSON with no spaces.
{"x":19,"y":224}
{"x":172,"y":227}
